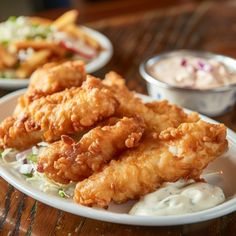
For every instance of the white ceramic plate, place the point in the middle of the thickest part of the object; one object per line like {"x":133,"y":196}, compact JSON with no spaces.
{"x":96,"y":64}
{"x":118,"y":213}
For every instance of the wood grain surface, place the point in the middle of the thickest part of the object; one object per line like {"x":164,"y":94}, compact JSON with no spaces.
{"x":204,"y":25}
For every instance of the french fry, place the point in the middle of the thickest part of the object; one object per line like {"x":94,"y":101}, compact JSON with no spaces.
{"x":77,"y":32}
{"x":39,"y":20}
{"x":39,"y":45}
{"x":67,"y":18}
{"x":32,"y":63}
{"x":7,"y":58}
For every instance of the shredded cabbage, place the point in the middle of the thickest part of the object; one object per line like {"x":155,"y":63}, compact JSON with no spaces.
{"x":25,"y":163}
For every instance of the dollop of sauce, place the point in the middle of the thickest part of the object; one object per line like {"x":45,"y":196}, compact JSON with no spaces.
{"x":192,"y":72}
{"x":177,"y":198}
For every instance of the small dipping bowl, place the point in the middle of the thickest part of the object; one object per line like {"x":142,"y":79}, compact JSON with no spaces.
{"x":212,"y":102}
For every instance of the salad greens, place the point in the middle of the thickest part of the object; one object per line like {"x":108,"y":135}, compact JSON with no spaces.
{"x":20,"y":28}
{"x":30,"y":175}
{"x":61,"y":193}
{"x":32,"y":157}
{"x":12,"y":18}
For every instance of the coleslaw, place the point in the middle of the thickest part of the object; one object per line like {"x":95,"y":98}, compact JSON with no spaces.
{"x":25,"y":164}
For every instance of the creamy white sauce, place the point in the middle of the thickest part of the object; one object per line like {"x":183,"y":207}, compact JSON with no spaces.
{"x":192,"y":72}
{"x":179,"y":198}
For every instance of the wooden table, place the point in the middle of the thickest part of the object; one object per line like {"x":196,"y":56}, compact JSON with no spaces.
{"x":205,"y":25}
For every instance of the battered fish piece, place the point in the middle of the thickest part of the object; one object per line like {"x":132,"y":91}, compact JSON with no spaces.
{"x":52,"y":78}
{"x":178,"y":153}
{"x":157,"y":115}
{"x":67,"y":160}
{"x":71,"y":111}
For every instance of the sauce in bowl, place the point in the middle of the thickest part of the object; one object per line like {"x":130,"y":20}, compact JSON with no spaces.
{"x":192,"y":72}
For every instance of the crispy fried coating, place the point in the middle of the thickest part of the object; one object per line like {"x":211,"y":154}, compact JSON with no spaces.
{"x":67,"y":160}
{"x":14,"y":133}
{"x":157,"y":115}
{"x":170,"y":115}
{"x":52,"y":78}
{"x":66,"y":112}
{"x":178,"y":153}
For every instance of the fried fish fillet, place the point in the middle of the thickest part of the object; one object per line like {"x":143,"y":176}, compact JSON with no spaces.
{"x":66,"y":112}
{"x":179,"y":153}
{"x":157,"y":115}
{"x":52,"y":78}
{"x":67,"y":160}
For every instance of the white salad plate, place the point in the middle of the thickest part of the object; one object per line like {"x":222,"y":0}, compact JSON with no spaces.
{"x":101,"y":60}
{"x":222,"y":173}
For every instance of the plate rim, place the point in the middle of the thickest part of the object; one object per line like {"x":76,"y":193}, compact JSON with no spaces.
{"x":121,"y":218}
{"x":98,"y":63}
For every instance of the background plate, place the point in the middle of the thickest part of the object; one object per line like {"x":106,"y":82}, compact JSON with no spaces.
{"x":226,"y":165}
{"x":96,"y":64}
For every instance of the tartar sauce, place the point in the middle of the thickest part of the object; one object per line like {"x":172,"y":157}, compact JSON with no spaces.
{"x":179,"y":198}
{"x":192,"y":72}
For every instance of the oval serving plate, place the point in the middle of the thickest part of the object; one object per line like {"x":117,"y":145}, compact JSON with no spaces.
{"x":225,"y":167}
{"x":94,"y":65}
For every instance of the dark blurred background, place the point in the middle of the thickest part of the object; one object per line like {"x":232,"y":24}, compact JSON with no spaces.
{"x":90,"y":10}
{"x":28,"y":7}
